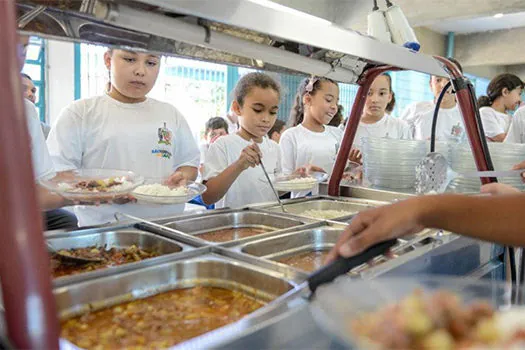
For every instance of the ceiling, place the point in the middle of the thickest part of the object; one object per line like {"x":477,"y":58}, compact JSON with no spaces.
{"x":479,"y":24}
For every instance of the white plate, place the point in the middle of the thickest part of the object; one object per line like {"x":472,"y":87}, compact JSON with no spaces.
{"x":286,"y":183}
{"x":193,"y":189}
{"x":66,"y":184}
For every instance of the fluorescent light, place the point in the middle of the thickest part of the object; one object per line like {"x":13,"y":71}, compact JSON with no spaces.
{"x":498,"y":15}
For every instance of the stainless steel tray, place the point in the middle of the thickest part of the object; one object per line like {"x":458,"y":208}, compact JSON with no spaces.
{"x":351,"y":205}
{"x":189,"y":229}
{"x":121,"y":238}
{"x":210,"y":266}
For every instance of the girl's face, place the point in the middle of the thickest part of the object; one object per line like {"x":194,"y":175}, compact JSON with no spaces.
{"x":323,"y":104}
{"x":258,"y":112}
{"x":512,"y":99}
{"x":133,"y":74}
{"x":379,"y":96}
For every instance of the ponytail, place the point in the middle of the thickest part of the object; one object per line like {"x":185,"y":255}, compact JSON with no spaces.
{"x":309,"y":85}
{"x":297,"y":111}
{"x":484,"y":101}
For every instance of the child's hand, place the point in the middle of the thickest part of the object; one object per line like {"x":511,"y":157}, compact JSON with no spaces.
{"x":355,"y":156}
{"x":520,"y":166}
{"x":498,"y":189}
{"x":176,"y":179}
{"x":250,"y":157}
{"x":307,"y":169}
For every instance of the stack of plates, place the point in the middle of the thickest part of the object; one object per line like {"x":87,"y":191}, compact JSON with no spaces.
{"x":504,"y":156}
{"x":391,"y":163}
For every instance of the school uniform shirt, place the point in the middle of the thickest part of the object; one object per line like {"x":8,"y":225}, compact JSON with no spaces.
{"x":251,"y":185}
{"x":386,"y":127}
{"x":301,"y":147}
{"x":414,"y":111}
{"x":42,"y":164}
{"x":494,"y":122}
{"x":516,"y":132}
{"x":450,"y":126}
{"x":150,"y":138}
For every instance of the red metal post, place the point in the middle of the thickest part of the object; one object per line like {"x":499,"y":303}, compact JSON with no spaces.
{"x":468,"y":110}
{"x":351,"y":127}
{"x":30,"y":309}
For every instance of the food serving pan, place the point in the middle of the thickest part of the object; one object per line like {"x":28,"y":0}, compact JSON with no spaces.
{"x":120,"y":238}
{"x":192,"y":229}
{"x":350,"y":205}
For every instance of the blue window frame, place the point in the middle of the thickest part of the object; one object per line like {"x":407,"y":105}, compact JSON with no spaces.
{"x":35,"y":67}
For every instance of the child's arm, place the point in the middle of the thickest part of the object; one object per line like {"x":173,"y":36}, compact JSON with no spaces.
{"x":220,"y":184}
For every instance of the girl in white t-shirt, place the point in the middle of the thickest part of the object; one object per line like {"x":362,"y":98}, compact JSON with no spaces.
{"x":503,"y":94}
{"x":231,"y":171}
{"x":311,"y":143}
{"x":124,"y":129}
{"x":375,"y":122}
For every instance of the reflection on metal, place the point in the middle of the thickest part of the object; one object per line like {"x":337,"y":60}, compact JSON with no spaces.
{"x":207,"y":30}
{"x":29,"y":16}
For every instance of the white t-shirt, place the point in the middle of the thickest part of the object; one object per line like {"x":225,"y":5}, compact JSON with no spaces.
{"x":42,"y":164}
{"x":301,"y":147}
{"x":516,"y":132}
{"x":251,"y":185}
{"x":151,"y":138}
{"x":414,"y":111}
{"x":387,"y":127}
{"x":494,"y":122}
{"x":450,"y":125}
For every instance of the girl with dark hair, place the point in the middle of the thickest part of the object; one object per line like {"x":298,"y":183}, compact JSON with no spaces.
{"x":277,"y":130}
{"x":375,"y":121}
{"x":311,"y":143}
{"x":503,"y":94}
{"x":231,"y":171}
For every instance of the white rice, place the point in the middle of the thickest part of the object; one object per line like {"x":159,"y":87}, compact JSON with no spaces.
{"x":300,"y":180}
{"x":325,"y":214}
{"x":159,"y":190}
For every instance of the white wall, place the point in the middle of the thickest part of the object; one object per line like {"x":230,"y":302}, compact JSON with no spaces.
{"x":60,"y":77}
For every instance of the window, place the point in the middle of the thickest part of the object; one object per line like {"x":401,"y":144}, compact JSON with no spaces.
{"x":35,"y":67}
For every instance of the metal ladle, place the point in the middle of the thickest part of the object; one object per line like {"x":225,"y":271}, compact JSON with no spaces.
{"x":273,"y":188}
{"x":69,"y":258}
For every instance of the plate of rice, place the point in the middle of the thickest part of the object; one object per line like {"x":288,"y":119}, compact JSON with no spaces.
{"x":297,"y":182}
{"x":160,"y":193}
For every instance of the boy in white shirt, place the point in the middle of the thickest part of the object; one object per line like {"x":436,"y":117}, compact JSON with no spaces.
{"x":232,"y":172}
{"x":124,"y":129}
{"x":503,"y":94}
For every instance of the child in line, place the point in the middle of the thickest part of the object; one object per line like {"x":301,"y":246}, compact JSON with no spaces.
{"x":125,"y":129}
{"x":375,"y":121}
{"x":277,"y":130}
{"x":516,"y":132}
{"x":232,"y":171}
{"x":215,"y":127}
{"x":503,"y":94}
{"x":311,"y":143}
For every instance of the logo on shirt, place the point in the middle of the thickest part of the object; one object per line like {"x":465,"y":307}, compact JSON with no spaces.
{"x":165,"y":136}
{"x":457,"y":130}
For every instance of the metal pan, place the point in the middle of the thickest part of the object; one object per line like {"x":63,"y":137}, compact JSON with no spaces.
{"x":200,"y":227}
{"x":351,"y":206}
{"x":122,"y":238}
